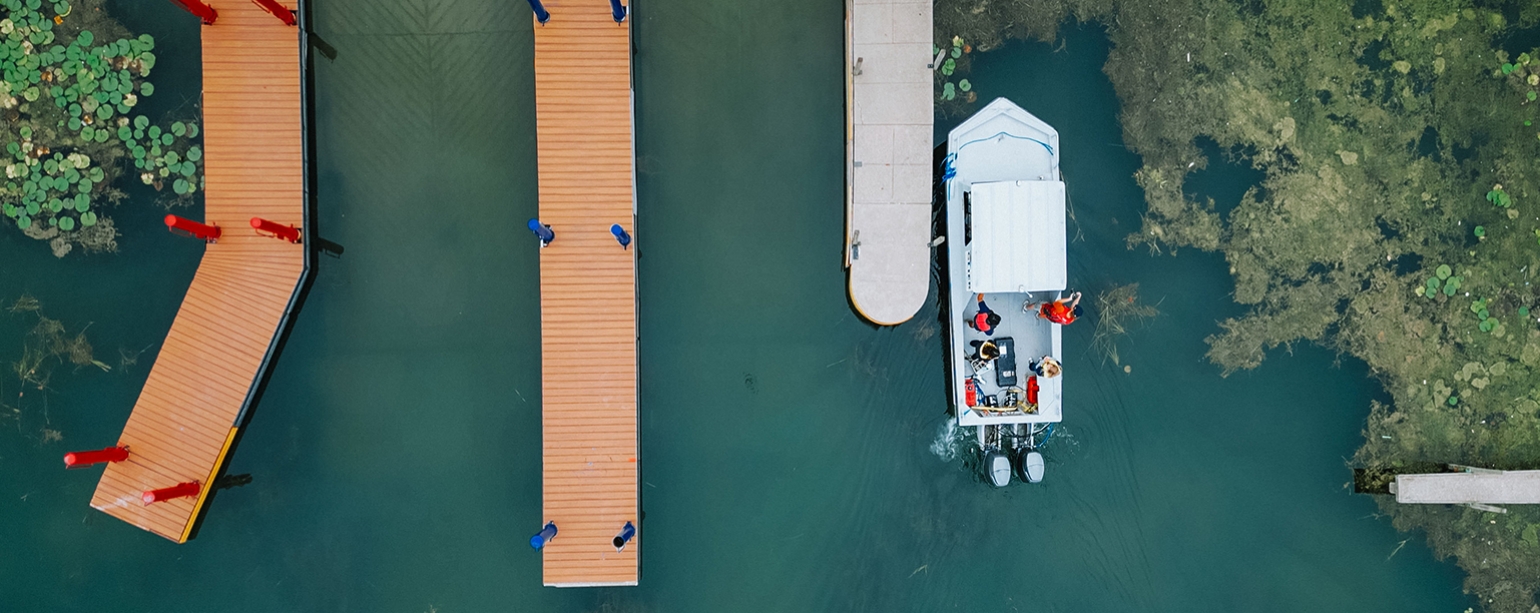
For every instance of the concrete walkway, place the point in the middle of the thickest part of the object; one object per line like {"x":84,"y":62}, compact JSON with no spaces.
{"x":1475,"y":487}
{"x":888,"y":157}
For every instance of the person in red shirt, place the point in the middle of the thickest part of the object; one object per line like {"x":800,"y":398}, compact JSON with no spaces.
{"x":1063,"y":311}
{"x":985,"y":320}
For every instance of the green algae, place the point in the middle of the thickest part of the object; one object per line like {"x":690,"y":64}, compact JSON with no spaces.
{"x":1335,"y":108}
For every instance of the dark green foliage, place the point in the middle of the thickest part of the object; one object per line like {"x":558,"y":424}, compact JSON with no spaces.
{"x":70,"y":77}
{"x":1336,"y":109}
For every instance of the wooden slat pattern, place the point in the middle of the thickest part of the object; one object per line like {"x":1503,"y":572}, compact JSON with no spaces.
{"x":253,"y":148}
{"x":587,"y":293}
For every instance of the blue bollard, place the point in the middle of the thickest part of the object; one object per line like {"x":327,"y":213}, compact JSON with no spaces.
{"x":542,"y":231}
{"x":618,"y":11}
{"x":625,"y":536}
{"x":620,"y":235}
{"x":547,"y":533}
{"x":540,"y":12}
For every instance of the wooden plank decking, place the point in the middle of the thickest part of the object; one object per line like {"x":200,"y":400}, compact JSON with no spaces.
{"x":587,"y":294}
{"x":186,"y":417}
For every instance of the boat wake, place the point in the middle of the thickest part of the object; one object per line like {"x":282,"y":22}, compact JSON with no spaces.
{"x":950,"y":441}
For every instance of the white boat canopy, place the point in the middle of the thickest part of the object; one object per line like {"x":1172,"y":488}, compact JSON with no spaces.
{"x":1017,"y":237}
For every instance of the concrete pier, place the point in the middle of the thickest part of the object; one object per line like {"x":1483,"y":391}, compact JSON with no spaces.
{"x":1487,"y":487}
{"x":889,"y":113}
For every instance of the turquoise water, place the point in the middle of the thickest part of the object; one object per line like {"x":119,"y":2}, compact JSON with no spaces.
{"x":793,"y":457}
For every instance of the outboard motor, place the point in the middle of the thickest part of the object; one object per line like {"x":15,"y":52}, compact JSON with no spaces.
{"x":999,"y":467}
{"x":1031,"y":466}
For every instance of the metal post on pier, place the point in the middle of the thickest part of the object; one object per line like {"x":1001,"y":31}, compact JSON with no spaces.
{"x":541,"y":14}
{"x":618,"y":10}
{"x":187,"y":227}
{"x":78,"y":459}
{"x":200,"y":10}
{"x":278,"y":10}
{"x":275,"y":230}
{"x":180,"y":490}
{"x":547,"y":533}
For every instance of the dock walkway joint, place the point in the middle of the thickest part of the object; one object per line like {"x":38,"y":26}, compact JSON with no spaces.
{"x":204,"y":378}
{"x":889,"y":136}
{"x":583,"y":104}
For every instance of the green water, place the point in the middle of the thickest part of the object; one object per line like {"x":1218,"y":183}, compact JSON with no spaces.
{"x":790,"y":452}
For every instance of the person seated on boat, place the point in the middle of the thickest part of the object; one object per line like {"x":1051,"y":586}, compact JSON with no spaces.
{"x":1063,"y":311}
{"x":985,"y":320}
{"x":1045,"y":367}
{"x":985,"y":350}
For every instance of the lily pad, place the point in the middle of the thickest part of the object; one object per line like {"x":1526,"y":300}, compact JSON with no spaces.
{"x":1444,"y":271}
{"x":1480,"y":231}
{"x":24,"y":222}
{"x":180,"y":186}
{"x":66,"y":223}
{"x":194,"y":153}
{"x":141,"y":122}
{"x":964,"y":85}
{"x":88,"y":219}
{"x":179,"y":128}
{"x":146,"y":89}
{"x":82,"y":203}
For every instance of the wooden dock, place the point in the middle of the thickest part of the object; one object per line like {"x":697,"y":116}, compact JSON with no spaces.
{"x":888,"y":143}
{"x":225,"y":334}
{"x":587,"y":294}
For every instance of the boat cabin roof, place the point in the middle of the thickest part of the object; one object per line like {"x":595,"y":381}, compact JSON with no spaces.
{"x":1017,"y":237}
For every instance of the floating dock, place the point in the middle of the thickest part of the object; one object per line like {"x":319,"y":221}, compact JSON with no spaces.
{"x":888,"y":143}
{"x":583,"y":117}
{"x":247,"y":286}
{"x":1473,"y":487}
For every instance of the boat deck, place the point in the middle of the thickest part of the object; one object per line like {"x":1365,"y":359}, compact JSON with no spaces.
{"x":587,"y":294}
{"x":889,"y":140}
{"x":203,"y":380}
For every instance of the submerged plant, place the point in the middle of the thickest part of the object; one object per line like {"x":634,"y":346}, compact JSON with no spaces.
{"x":72,"y":76}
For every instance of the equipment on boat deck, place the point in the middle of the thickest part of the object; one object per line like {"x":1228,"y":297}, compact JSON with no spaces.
{"x":999,"y":467}
{"x":1031,"y":466}
{"x":1005,"y":369}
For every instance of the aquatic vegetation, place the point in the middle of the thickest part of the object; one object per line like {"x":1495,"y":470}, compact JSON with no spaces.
{"x":72,"y":79}
{"x":1399,"y":151}
{"x":953,"y":98}
{"x":48,"y":344}
{"x":1117,"y":308}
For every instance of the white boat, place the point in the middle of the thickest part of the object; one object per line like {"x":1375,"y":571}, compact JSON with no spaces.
{"x":1005,"y":232}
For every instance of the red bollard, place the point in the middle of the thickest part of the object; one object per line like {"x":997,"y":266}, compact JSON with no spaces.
{"x":180,"y":490}
{"x":268,"y":228}
{"x":200,"y":10}
{"x":192,"y":228}
{"x":283,"y":14}
{"x":77,"y":459}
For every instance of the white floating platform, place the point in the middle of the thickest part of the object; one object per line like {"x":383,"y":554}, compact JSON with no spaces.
{"x":1483,"y":487}
{"x":888,"y":144}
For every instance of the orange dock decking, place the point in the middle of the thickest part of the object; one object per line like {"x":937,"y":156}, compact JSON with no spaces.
{"x":587,"y":294}
{"x":188,"y":414}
